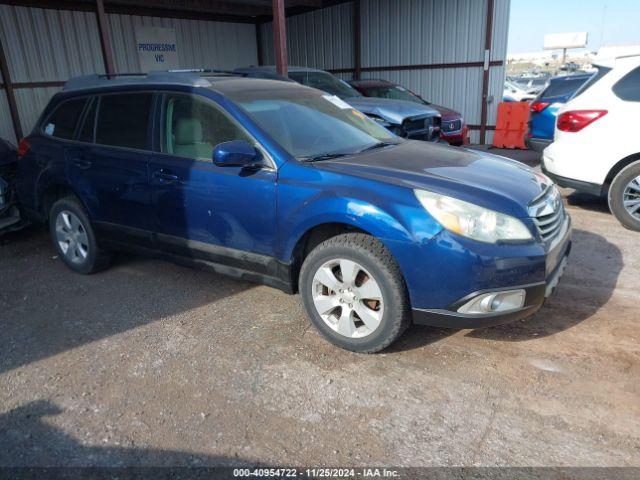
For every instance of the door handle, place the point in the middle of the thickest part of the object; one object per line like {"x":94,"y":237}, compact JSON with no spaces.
{"x":165,"y":177}
{"x":82,"y":163}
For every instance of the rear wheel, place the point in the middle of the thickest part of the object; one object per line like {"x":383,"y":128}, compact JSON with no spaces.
{"x":74,"y":239}
{"x":354,"y":293}
{"x":624,"y":196}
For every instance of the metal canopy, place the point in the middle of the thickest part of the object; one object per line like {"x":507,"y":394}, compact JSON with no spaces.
{"x":245,"y":11}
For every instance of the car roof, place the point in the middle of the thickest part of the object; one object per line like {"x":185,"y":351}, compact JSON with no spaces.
{"x":371,"y":83}
{"x":272,"y":68}
{"x":216,"y":80}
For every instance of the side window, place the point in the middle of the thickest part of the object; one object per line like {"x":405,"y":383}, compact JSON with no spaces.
{"x":62,"y":122}
{"x":87,"y":131}
{"x":628,"y":87}
{"x":193,"y":127}
{"x":123,"y":120}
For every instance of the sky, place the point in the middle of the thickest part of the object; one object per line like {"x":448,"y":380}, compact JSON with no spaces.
{"x":607,"y":22}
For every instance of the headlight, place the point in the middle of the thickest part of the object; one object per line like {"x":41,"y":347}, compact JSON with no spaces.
{"x":472,"y":221}
{"x":379,"y":120}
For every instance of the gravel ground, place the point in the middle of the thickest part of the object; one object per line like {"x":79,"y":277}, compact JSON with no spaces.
{"x":154,"y":364}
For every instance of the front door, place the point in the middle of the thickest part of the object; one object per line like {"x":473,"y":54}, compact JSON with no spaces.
{"x":223,"y":215}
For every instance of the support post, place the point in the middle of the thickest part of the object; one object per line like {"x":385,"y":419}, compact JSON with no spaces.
{"x":485,"y":75}
{"x":105,"y":39}
{"x":280,"y":37}
{"x":357,"y":47}
{"x":259,"y":43}
{"x":11,"y":98}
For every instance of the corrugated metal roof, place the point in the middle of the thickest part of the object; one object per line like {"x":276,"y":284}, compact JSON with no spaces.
{"x":320,"y":39}
{"x":48,"y":45}
{"x":6,"y":128}
{"x":54,"y":45}
{"x":201,"y":44}
{"x":51,"y":45}
{"x":414,"y":32}
{"x":408,"y":32}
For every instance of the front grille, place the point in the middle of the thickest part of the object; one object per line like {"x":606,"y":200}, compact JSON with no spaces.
{"x":548,"y":213}
{"x":422,"y":128}
{"x":451,"y":125}
{"x":421,"y":123}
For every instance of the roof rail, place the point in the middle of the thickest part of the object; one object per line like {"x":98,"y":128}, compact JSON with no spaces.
{"x":193,"y":78}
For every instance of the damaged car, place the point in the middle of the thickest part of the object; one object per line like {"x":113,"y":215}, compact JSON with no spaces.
{"x":9,"y":213}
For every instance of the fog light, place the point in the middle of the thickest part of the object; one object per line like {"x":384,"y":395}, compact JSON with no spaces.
{"x":495,"y":302}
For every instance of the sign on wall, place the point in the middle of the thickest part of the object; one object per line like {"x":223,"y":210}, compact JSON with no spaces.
{"x":157,"y":48}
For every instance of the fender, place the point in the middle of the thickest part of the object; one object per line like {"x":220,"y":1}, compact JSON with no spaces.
{"x":389,"y":227}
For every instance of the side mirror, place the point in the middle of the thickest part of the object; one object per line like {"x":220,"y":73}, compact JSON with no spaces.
{"x":237,"y":153}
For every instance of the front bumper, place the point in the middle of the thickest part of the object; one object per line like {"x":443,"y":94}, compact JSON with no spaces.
{"x":536,"y":294}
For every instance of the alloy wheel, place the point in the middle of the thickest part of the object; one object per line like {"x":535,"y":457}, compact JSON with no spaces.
{"x":348,"y":298}
{"x":72,"y":237}
{"x":631,"y":197}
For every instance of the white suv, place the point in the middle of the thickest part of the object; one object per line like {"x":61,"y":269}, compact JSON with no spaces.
{"x":594,"y":148}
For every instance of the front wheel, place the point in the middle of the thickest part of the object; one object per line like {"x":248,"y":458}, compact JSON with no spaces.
{"x":624,"y":196}
{"x":354,"y":293}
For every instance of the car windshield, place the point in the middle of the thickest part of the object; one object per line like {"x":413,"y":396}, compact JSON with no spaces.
{"x":395,"y":92}
{"x":310,"y":125}
{"x":326,"y":82}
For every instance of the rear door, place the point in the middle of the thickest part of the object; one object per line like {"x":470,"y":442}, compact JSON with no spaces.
{"x":220,"y":214}
{"x":108,"y":165}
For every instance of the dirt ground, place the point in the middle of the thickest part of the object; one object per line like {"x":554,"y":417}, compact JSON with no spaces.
{"x":150,"y":363}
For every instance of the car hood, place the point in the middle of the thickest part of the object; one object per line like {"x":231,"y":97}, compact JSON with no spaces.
{"x":487,"y":180}
{"x":393,"y":111}
{"x":447,"y":113}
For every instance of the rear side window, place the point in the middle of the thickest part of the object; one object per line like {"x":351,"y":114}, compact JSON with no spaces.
{"x":628,"y":87}
{"x":64,"y":119}
{"x":123,"y":120}
{"x":561,"y":88}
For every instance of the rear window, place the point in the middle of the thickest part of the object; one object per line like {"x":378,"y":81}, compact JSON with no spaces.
{"x":64,"y":119}
{"x":628,"y":87}
{"x":564,"y":87}
{"x":602,"y":71}
{"x":123,"y":120}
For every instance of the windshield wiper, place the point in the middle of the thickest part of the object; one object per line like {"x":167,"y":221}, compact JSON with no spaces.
{"x":325,"y":156}
{"x":375,"y":146}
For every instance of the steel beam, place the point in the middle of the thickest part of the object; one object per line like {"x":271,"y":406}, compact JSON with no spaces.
{"x":280,"y":37}
{"x":105,"y":39}
{"x":485,"y":74}
{"x":357,"y":39}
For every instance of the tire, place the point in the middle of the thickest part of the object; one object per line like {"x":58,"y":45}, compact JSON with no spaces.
{"x":626,"y":186}
{"x":70,"y":225}
{"x":386,"y":319}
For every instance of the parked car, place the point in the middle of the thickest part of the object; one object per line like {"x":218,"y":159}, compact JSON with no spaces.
{"x":532,"y":85}
{"x":590,"y":152}
{"x":9,"y":212}
{"x":403,"y":118}
{"x":274,"y":182}
{"x":544,"y":108}
{"x":513,"y":93}
{"x":452,"y":128}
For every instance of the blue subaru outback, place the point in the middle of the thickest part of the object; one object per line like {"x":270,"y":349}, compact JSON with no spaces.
{"x":289,"y":186}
